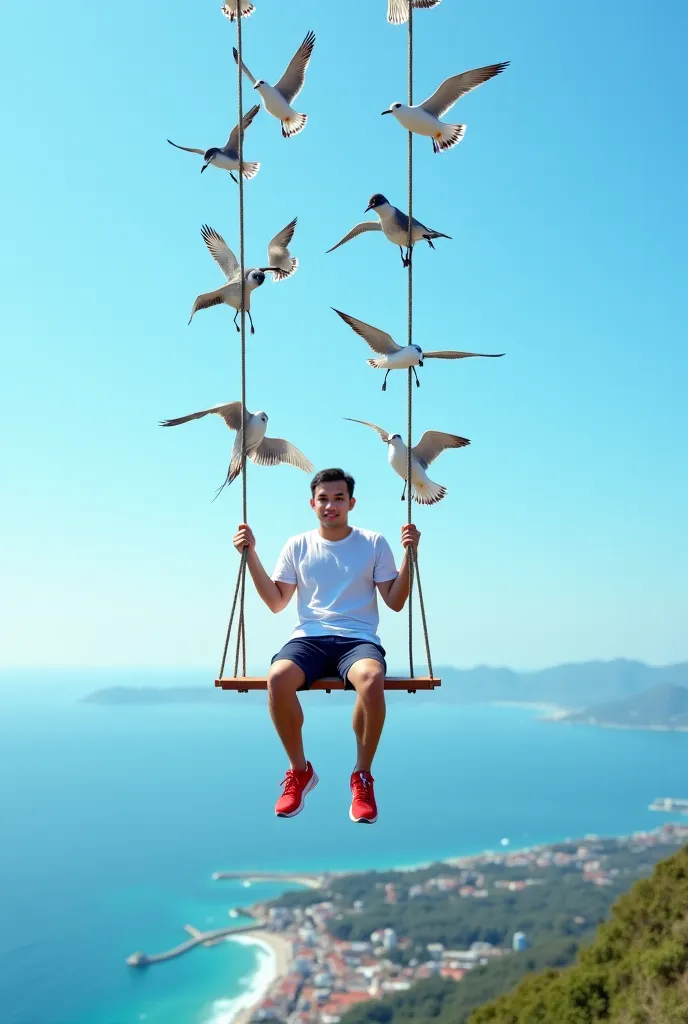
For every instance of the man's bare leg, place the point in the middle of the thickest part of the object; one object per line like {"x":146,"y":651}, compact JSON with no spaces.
{"x":284,"y":679}
{"x":368,"y":679}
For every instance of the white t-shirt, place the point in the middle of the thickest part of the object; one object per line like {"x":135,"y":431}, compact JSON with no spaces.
{"x":335,"y":582}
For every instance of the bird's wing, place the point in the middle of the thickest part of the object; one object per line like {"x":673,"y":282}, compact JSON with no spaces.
{"x":458,"y":85}
{"x":233,"y":140}
{"x":397,"y":10}
{"x":383,"y":433}
{"x":380,"y":342}
{"x":433,"y":443}
{"x":273,"y":450}
{"x":246,"y":71}
{"x":206,"y":300}
{"x":450,"y":354}
{"x":230,"y":413}
{"x":291,"y":82}
{"x":358,"y":229}
{"x":187,"y":149}
{"x":277,"y":246}
{"x":221,"y":253}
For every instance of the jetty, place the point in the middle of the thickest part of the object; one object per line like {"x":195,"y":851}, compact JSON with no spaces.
{"x":669,"y":804}
{"x":308,"y":881}
{"x":198,"y":938}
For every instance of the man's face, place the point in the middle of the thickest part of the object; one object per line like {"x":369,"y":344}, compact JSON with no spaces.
{"x":332,"y":503}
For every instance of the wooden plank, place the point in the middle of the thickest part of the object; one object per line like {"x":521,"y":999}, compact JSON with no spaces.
{"x":245,"y":683}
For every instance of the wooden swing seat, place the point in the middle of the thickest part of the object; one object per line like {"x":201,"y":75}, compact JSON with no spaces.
{"x":243,"y":684}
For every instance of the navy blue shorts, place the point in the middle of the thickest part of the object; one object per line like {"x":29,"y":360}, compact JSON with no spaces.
{"x":319,"y":656}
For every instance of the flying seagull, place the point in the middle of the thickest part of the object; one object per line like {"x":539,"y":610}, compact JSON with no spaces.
{"x":278,"y":98}
{"x":398,"y":357}
{"x":424,"y":118}
{"x":229,"y":9}
{"x":227,"y":156}
{"x":281,"y":264}
{"x":264,"y":451}
{"x":431,"y":444}
{"x":397,"y":10}
{"x":395,"y":225}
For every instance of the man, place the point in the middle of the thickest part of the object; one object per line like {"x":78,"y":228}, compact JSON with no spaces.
{"x":336,"y":572}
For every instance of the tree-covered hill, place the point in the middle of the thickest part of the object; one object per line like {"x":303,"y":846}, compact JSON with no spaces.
{"x":634,"y":972}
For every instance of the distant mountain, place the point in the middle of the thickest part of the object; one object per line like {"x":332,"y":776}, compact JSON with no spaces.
{"x":577,"y":685}
{"x":662,"y":707}
{"x":153,"y":695}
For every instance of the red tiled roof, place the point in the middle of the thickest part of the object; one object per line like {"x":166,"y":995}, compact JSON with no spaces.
{"x":338,"y":1000}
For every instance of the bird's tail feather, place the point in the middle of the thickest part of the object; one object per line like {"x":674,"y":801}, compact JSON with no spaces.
{"x":251,"y":168}
{"x":232,"y":474}
{"x":448,"y":136}
{"x":293,"y":125}
{"x":247,"y":10}
{"x":428,"y":493}
{"x":282,"y":275}
{"x":377,"y":363}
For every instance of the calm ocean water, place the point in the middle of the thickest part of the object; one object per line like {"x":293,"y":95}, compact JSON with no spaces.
{"x":113,"y":818}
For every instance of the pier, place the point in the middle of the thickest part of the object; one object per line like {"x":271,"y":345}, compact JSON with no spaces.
{"x":669,"y":804}
{"x":198,"y":938}
{"x":308,"y":881}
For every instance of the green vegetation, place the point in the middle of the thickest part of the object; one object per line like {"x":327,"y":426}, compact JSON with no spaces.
{"x":544,"y":912}
{"x":635,"y":971}
{"x":440,"y":1001}
{"x":559,"y":914}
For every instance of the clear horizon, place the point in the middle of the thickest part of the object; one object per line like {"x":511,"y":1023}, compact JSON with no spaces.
{"x":562,"y":537}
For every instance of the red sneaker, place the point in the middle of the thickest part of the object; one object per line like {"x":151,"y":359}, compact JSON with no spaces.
{"x":296,"y":784}
{"x":363,"y":807}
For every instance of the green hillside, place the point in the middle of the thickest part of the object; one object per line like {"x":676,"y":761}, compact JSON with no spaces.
{"x":634,"y":972}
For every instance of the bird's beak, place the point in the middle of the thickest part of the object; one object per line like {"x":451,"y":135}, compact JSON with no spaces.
{"x":268,"y":270}
{"x":386,"y":112}
{"x":203,"y":168}
{"x":255,"y":86}
{"x":368,"y":207}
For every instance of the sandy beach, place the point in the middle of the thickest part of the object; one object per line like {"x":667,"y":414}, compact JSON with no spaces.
{"x":280,"y":948}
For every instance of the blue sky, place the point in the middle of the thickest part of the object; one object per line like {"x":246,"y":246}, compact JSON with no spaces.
{"x":563,"y":532}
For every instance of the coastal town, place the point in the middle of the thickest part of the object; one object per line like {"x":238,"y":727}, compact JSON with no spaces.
{"x":319,"y":977}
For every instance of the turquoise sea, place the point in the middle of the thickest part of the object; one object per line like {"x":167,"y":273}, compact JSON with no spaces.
{"x":112,"y":820}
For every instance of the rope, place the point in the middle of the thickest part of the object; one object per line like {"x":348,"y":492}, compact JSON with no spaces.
{"x":241,"y":632}
{"x":240,"y":587}
{"x":414,"y":572}
{"x":428,"y":658}
{"x":410,"y":382}
{"x":231,"y":615}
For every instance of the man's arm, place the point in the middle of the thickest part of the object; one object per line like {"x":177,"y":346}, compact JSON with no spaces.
{"x":395,"y":592}
{"x":275,"y":594}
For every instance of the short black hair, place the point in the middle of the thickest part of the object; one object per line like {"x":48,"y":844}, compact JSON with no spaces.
{"x":329,"y":476}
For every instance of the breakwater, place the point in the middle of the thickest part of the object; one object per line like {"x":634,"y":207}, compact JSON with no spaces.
{"x":309,"y":881}
{"x":198,"y":938}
